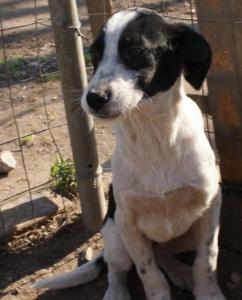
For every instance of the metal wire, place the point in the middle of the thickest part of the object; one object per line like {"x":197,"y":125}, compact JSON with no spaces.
{"x":44,"y":98}
{"x":42,"y":84}
{"x":39,"y":76}
{"x":5,"y":200}
{"x":16,"y":122}
{"x":32,"y":133}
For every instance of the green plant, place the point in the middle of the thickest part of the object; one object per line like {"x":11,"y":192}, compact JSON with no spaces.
{"x":27,"y":140}
{"x":63,"y":176}
{"x":14,"y":68}
{"x":50,"y":77}
{"x":88,"y":59}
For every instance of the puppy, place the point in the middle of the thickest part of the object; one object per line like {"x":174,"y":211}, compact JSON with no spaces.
{"x":165,"y":182}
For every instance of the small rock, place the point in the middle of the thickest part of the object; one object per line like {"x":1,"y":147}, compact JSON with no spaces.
{"x":87,"y":254}
{"x":42,"y":272}
{"x":7,"y":162}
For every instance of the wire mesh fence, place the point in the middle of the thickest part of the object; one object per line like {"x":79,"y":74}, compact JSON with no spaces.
{"x":33,"y":124}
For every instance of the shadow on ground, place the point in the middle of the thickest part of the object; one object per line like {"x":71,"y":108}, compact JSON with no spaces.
{"x":15,"y":266}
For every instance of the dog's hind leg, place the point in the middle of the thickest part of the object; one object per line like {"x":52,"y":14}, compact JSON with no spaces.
{"x":179,"y":273}
{"x":118,"y":261}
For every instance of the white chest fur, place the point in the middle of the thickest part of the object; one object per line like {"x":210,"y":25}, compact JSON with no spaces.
{"x":162,"y":148}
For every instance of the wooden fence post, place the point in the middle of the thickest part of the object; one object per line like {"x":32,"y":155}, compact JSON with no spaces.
{"x":71,"y":63}
{"x":220,"y":22}
{"x":99,"y":11}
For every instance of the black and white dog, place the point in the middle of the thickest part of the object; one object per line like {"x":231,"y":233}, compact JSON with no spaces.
{"x":165,"y":181}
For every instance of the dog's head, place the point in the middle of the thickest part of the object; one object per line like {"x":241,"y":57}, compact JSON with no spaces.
{"x":138,"y":54}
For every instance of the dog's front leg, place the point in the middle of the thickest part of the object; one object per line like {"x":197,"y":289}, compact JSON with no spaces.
{"x":204,"y":270}
{"x":141,"y":252}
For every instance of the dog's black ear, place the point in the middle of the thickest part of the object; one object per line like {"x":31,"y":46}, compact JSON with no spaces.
{"x":196,"y":54}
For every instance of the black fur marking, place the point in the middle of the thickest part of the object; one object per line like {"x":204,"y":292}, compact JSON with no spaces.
{"x":100,"y":263}
{"x":97,"y":48}
{"x":159,"y":52}
{"x":197,"y":56}
{"x":142,"y":271}
{"x":111,"y":205}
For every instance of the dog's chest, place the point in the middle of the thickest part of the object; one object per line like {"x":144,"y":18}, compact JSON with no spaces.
{"x":159,"y":174}
{"x":150,"y":161}
{"x":164,"y":218}
{"x":146,"y":166}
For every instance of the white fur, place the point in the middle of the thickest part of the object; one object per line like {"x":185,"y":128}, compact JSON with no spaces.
{"x":114,"y":76}
{"x":173,"y":150}
{"x":82,"y":274}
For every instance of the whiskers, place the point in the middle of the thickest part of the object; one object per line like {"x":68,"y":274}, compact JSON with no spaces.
{"x":73,"y":106}
{"x":151,"y":112}
{"x":130,"y":112}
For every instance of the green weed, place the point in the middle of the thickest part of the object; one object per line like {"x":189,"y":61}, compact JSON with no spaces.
{"x":63,"y":175}
{"x":50,"y":77}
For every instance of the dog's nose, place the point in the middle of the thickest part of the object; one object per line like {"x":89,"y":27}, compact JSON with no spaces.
{"x":96,"y":101}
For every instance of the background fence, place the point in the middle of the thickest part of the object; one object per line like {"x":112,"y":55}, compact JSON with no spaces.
{"x":34,"y":127}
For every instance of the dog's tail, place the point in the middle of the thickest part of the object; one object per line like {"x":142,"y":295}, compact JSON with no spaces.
{"x":82,"y":274}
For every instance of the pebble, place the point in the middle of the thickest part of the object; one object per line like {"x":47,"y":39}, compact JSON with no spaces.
{"x":7,"y":162}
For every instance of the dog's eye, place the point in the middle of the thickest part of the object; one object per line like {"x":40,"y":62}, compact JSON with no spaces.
{"x":135,"y":51}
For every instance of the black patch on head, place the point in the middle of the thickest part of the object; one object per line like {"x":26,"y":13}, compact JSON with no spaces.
{"x":142,"y":270}
{"x":158,"y":52}
{"x":97,"y":48}
{"x":111,"y":205}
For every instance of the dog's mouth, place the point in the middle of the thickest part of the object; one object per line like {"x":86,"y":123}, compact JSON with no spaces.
{"x":109,"y":111}
{"x":107,"y":116}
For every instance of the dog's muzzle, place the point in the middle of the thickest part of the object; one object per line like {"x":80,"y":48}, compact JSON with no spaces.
{"x":97,"y":101}
{"x":101,"y":105}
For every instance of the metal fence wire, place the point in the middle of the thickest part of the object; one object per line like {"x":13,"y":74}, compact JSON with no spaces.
{"x":32,"y":119}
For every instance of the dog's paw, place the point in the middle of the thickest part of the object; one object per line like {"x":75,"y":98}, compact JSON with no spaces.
{"x":161,"y":296}
{"x":216,"y":295}
{"x":117,"y":294}
{"x":211,"y":297}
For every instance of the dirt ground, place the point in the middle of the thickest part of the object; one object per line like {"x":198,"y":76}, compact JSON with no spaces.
{"x":58,"y":244}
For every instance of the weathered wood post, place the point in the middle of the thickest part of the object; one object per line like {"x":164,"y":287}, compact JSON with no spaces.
{"x":220,"y":21}
{"x":71,"y":63}
{"x":99,"y":12}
